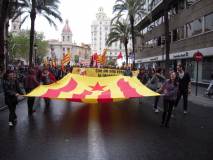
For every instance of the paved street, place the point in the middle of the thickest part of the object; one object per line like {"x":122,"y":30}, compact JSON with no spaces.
{"x":125,"y":130}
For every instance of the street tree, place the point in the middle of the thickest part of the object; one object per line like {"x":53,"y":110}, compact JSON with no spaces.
{"x":120,"y":31}
{"x":8,"y":9}
{"x":19,"y":45}
{"x":76,"y":59}
{"x":46,"y":8}
{"x":133,"y":9}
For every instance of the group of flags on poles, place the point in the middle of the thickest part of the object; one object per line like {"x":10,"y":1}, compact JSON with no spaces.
{"x":99,"y":59}
{"x":66,"y":58}
{"x":64,"y":61}
{"x":95,"y":58}
{"x":102,"y":59}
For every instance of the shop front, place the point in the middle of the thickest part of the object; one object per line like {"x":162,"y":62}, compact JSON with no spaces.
{"x":205,"y":67}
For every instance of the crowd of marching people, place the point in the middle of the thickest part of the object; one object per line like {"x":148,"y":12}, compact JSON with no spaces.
{"x":22,"y":80}
{"x":176,"y":85}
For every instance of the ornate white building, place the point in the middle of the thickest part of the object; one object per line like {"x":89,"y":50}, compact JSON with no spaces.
{"x":100,"y":29}
{"x":58,"y":48}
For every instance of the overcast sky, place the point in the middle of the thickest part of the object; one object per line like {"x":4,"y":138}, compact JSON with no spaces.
{"x":80,"y":14}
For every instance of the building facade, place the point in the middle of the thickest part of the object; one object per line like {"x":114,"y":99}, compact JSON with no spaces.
{"x":58,"y":48}
{"x":191,"y":30}
{"x":100,"y":29}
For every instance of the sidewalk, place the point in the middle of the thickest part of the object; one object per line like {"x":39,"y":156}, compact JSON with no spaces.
{"x":201,"y":98}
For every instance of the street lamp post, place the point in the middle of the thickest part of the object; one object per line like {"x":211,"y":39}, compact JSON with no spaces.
{"x":35,"y":50}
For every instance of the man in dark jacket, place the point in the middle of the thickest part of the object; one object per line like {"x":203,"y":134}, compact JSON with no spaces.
{"x":128,"y":72}
{"x":184,"y":82}
{"x":30,"y":83}
{"x":11,"y":92}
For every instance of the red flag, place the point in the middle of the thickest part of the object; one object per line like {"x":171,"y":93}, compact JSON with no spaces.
{"x":120,"y":55}
{"x":95,"y":57}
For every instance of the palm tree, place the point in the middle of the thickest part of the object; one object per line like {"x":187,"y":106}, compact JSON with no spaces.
{"x":47,"y":8}
{"x":133,"y":9}
{"x":8,"y":8}
{"x":120,"y":31}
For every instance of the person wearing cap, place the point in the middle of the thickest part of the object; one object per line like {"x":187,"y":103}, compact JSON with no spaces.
{"x":11,"y":91}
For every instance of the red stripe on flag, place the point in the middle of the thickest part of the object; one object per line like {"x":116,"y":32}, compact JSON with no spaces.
{"x":54,"y":93}
{"x":127,"y":90}
{"x":105,"y":97}
{"x":79,"y":97}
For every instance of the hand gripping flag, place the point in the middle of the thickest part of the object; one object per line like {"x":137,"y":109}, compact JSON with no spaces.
{"x":85,"y":89}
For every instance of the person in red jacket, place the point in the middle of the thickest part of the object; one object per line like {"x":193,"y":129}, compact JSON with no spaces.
{"x":47,"y":78}
{"x":30,"y":83}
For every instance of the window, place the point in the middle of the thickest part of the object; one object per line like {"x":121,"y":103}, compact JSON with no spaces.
{"x":194,"y":28}
{"x":68,"y":38}
{"x":178,"y":33}
{"x":175,"y":35}
{"x":158,"y":21}
{"x":159,"y":41}
{"x":208,"y":22}
{"x":181,"y":4}
{"x":190,"y":2}
{"x":181,"y":32}
{"x":63,"y":38}
{"x":207,"y":68}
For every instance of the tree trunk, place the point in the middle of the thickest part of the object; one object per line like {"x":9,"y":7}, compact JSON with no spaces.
{"x":126,"y":52}
{"x":133,"y":39}
{"x":32,"y":31}
{"x":167,"y":37}
{"x":6,"y":51}
{"x":2,"y":45}
{"x":3,"y":20}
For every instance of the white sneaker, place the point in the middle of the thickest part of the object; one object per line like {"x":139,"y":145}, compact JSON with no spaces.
{"x":156,"y":110}
{"x":185,"y":112}
{"x":10,"y":124}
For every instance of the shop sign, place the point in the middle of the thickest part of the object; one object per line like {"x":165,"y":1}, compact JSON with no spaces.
{"x":182,"y":55}
{"x":198,"y":56}
{"x":154,"y":59}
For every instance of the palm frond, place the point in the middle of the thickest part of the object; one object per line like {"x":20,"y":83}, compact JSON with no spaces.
{"x":23,"y":20}
{"x":51,"y":22}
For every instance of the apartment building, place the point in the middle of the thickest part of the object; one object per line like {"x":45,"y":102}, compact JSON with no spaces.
{"x":191,"y":30}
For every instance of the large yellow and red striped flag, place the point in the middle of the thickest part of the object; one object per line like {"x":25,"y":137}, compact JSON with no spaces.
{"x":85,"y":89}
